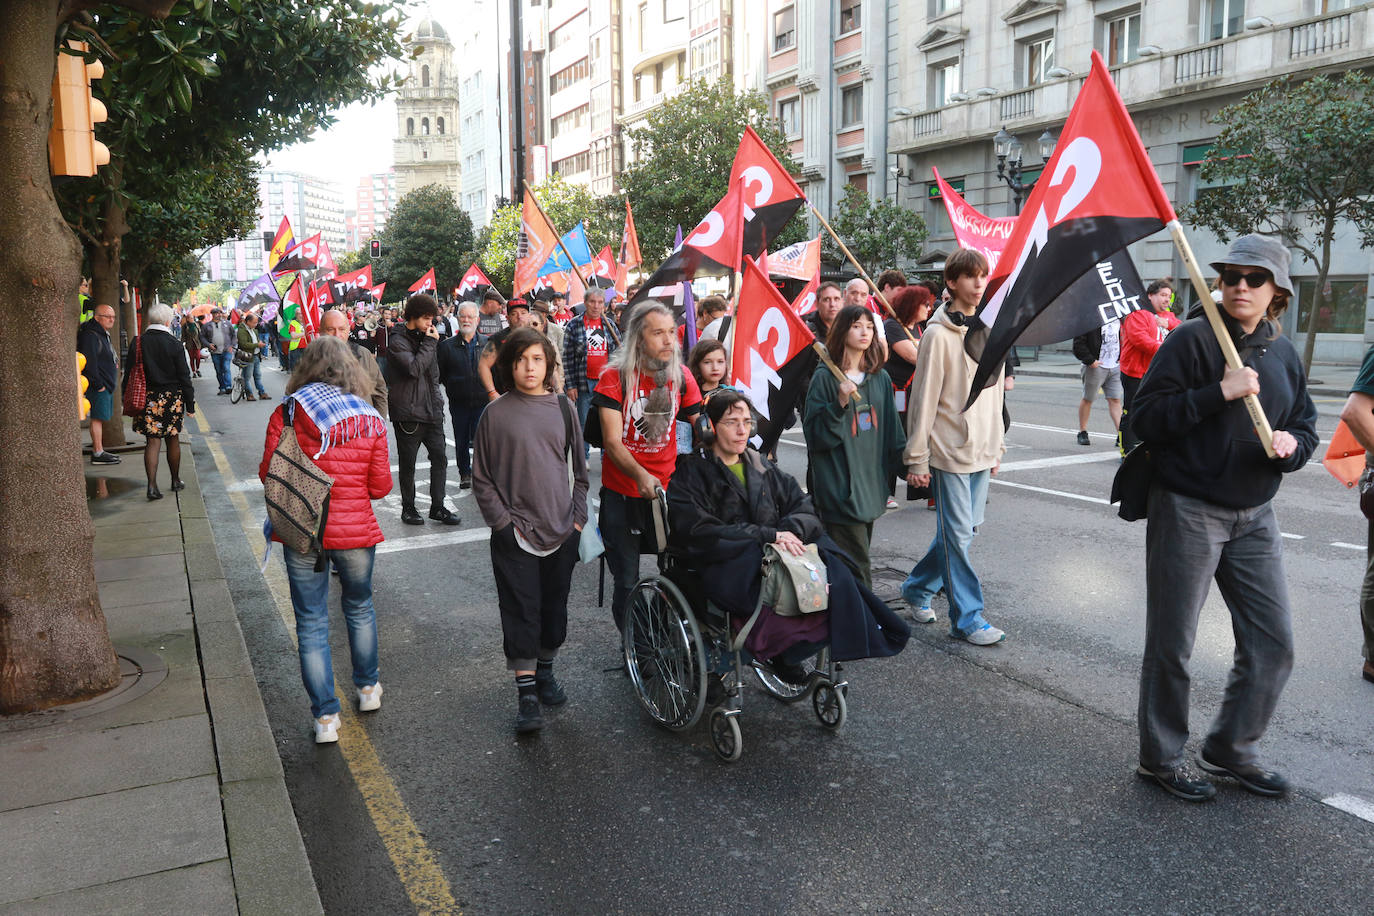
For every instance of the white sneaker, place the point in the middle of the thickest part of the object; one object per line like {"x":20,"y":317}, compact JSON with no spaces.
{"x":923,"y":615}
{"x":327,"y":729}
{"x":891,"y":503}
{"x":370,"y":698}
{"x":986,"y":635}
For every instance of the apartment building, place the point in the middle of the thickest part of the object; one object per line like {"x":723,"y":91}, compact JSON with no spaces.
{"x":973,"y":68}
{"x":373,"y":200}
{"x":425,"y":150}
{"x":483,"y":77}
{"x":310,"y":204}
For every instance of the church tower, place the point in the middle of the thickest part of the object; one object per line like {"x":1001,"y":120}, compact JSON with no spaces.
{"x":425,"y":150}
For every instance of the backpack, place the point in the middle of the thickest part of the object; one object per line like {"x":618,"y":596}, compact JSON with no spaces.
{"x":297,"y":494}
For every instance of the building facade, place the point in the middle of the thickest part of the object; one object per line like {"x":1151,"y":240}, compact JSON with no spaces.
{"x":482,"y":80}
{"x":310,"y":204}
{"x":373,"y":199}
{"x":976,"y":67}
{"x":425,"y":150}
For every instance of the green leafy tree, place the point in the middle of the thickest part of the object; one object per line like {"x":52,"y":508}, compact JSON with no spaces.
{"x":879,"y":234}
{"x":179,"y":282}
{"x":684,"y":153}
{"x":565,"y":205}
{"x":350,"y":261}
{"x":426,"y":229}
{"x":1305,"y":170}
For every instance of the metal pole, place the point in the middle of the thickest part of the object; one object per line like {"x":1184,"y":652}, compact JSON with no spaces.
{"x":517,"y":113}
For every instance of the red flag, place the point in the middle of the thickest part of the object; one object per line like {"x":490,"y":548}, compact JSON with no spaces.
{"x":771,"y":357}
{"x":304,"y":256}
{"x":426,"y":284}
{"x":770,"y":192}
{"x":349,"y":287}
{"x":1096,"y":195}
{"x":280,"y":243}
{"x":537,"y":242}
{"x":325,"y":261}
{"x":985,"y":234}
{"x":471,"y":284}
{"x":629,"y":242}
{"x":805,"y":303}
{"x":376,"y":292}
{"x":718,"y":235}
{"x":604,"y":265}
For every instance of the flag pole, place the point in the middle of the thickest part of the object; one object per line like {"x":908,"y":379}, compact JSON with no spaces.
{"x":1228,"y":347}
{"x":840,"y":377}
{"x":867,"y":279}
{"x":566,"y":253}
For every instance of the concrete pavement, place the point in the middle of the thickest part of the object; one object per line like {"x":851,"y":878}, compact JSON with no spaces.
{"x":165,"y":795}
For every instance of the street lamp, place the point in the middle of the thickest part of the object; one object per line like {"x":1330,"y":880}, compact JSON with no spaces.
{"x":900,"y":175}
{"x":1009,"y":151}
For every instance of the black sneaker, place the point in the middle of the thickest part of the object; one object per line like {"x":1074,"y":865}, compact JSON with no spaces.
{"x":410,"y":516}
{"x":1083,"y":437}
{"x":551,"y":693}
{"x":444,"y":516}
{"x":1253,"y":778}
{"x":1180,"y":781}
{"x":790,"y":673}
{"x":529,"y":718}
{"x":104,"y":458}
{"x":465,"y":482}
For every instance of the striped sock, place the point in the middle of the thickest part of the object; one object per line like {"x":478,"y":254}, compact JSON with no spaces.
{"x":524,"y":683}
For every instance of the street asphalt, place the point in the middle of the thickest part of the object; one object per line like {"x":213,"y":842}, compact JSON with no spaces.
{"x":966,"y":780}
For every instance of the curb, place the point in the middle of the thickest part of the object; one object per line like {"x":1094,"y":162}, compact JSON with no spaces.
{"x":271,"y":870}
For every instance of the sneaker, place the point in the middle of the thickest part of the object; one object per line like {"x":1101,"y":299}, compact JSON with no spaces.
{"x":986,"y":635}
{"x":327,"y":729}
{"x":1368,"y":673}
{"x":465,"y":482}
{"x":529,"y":718}
{"x":104,"y":458}
{"x":1180,"y":781}
{"x":551,"y":693}
{"x":891,"y":503}
{"x":370,"y":698}
{"x":923,"y":615}
{"x":1083,"y":437}
{"x":444,"y":516}
{"x":930,"y":504}
{"x":790,"y":672}
{"x":410,"y":517}
{"x":1251,"y":777}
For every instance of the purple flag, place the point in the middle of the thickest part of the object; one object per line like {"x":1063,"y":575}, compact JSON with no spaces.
{"x":689,"y":305}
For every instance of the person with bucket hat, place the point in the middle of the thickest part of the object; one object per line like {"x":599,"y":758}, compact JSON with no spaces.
{"x":1211,"y":516}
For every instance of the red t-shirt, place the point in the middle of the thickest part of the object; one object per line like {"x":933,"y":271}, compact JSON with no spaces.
{"x":659,"y":456}
{"x":596,"y":347}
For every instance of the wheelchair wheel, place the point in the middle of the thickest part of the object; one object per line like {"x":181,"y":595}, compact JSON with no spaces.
{"x":725,"y":736}
{"x":665,"y":654}
{"x":830,"y":706}
{"x":779,"y":689}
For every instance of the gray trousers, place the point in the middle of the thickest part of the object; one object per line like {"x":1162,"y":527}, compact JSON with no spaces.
{"x":1367,"y":598}
{"x":1189,"y":542}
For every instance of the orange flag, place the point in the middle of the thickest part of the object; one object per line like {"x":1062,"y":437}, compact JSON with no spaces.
{"x":536,"y":244}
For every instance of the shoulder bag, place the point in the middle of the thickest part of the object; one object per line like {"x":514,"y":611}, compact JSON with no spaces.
{"x":1131,"y":486}
{"x":794,"y":585}
{"x":136,"y":387}
{"x":297,"y":494}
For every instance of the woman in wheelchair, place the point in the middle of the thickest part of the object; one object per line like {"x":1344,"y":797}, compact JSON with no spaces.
{"x":726,"y":502}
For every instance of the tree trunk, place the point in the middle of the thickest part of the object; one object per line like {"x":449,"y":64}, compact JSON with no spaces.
{"x":1309,"y":344}
{"x":54,"y":646}
{"x":105,"y":288}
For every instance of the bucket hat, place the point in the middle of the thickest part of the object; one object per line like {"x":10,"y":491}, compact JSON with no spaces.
{"x":1259,"y":251}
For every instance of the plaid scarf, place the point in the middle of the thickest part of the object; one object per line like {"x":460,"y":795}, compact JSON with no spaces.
{"x":338,"y":415}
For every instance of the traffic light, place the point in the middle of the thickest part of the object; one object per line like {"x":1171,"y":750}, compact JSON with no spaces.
{"x":376,"y":246}
{"x":72,"y":146}
{"x":83,"y":406}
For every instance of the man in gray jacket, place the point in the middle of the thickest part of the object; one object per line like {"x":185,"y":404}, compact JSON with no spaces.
{"x":417,"y":409}
{"x":220,"y":336}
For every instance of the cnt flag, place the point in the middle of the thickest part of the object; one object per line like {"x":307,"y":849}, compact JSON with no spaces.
{"x":349,"y":287}
{"x":772,"y":358}
{"x":1097,"y":194}
{"x":536,"y":242}
{"x":473,"y":284}
{"x":376,"y":292}
{"x":280,"y":243}
{"x":426,"y":284}
{"x":325,"y":262}
{"x":1113,"y":287}
{"x":770,"y":193}
{"x":304,"y":256}
{"x":259,"y":291}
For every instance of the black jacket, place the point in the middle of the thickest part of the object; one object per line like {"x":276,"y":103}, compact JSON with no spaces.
{"x":1088,"y":347}
{"x":164,"y":366}
{"x":1204,"y":446}
{"x":457,"y":360}
{"x":93,"y":341}
{"x":412,"y":377}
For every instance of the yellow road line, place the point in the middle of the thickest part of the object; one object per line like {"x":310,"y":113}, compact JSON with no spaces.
{"x":415,"y":865}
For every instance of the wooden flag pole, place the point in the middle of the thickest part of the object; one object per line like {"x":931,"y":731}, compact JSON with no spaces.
{"x":1228,"y":346}
{"x":863,"y":273}
{"x":566,"y":253}
{"x":840,"y":377}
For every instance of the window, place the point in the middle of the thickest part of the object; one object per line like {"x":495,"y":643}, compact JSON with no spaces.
{"x":850,"y":15}
{"x":944,"y":82}
{"x":658,"y":78}
{"x":1039,"y":60}
{"x":424,"y":126}
{"x":643,"y":23}
{"x":569,"y":76}
{"x":1123,"y":39}
{"x":569,"y":121}
{"x":410,"y":127}
{"x":784,"y":29}
{"x":938,"y":217}
{"x":573,"y":164}
{"x":439,"y":126}
{"x":424,"y":76}
{"x":940,"y":7}
{"x":1331,"y":6}
{"x":851,"y":105}
{"x":1224,"y":19}
{"x":1340,"y":311}
{"x":563,"y":34}
{"x":673,"y":10}
{"x":789,"y":116}
{"x":681,"y":66}
{"x":639,"y":87}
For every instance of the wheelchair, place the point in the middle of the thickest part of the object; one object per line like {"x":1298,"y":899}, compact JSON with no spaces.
{"x":683,"y":659}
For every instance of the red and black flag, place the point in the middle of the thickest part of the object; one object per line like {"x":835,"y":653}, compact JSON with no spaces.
{"x":770,"y":193}
{"x":1097,"y":194}
{"x":771,"y":355}
{"x":350,"y":287}
{"x":426,"y":284}
{"x":474,"y":284}
{"x":305,"y":256}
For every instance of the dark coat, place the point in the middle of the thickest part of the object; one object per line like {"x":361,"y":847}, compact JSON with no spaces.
{"x":722,"y":532}
{"x":412,"y":377}
{"x":93,"y":341}
{"x":1088,"y":347}
{"x":457,"y":359}
{"x":164,"y":366}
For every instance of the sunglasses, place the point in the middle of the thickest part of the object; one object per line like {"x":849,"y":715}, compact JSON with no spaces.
{"x":1254,"y":279}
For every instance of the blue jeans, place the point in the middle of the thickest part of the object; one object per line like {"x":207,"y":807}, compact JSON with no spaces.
{"x":310,"y":601}
{"x":584,"y":407}
{"x":222,"y":361}
{"x":959,"y":502}
{"x":253,"y":370}
{"x":464,"y":431}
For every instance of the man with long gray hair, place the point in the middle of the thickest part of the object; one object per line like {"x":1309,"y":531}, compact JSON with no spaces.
{"x":639,"y":397}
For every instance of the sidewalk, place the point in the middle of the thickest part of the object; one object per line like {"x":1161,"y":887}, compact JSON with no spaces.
{"x":165,"y":795}
{"x":1328,"y":380}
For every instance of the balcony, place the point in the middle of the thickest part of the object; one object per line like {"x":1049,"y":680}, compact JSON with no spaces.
{"x":1201,"y":63}
{"x":1017,"y":105}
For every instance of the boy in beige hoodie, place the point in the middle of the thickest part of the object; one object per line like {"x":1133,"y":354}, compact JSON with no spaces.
{"x":954,"y":452}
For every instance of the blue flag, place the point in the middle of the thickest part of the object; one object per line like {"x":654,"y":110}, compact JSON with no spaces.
{"x":576,"y":242}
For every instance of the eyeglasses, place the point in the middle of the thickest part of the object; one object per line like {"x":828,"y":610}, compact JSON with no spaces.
{"x":1254,"y":279}
{"x":736,"y":423}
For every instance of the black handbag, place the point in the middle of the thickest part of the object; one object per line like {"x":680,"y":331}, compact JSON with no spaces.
{"x":1366,"y":485}
{"x":1131,"y":486}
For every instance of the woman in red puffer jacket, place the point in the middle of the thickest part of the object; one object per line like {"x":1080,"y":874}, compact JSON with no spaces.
{"x":328,"y":400}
